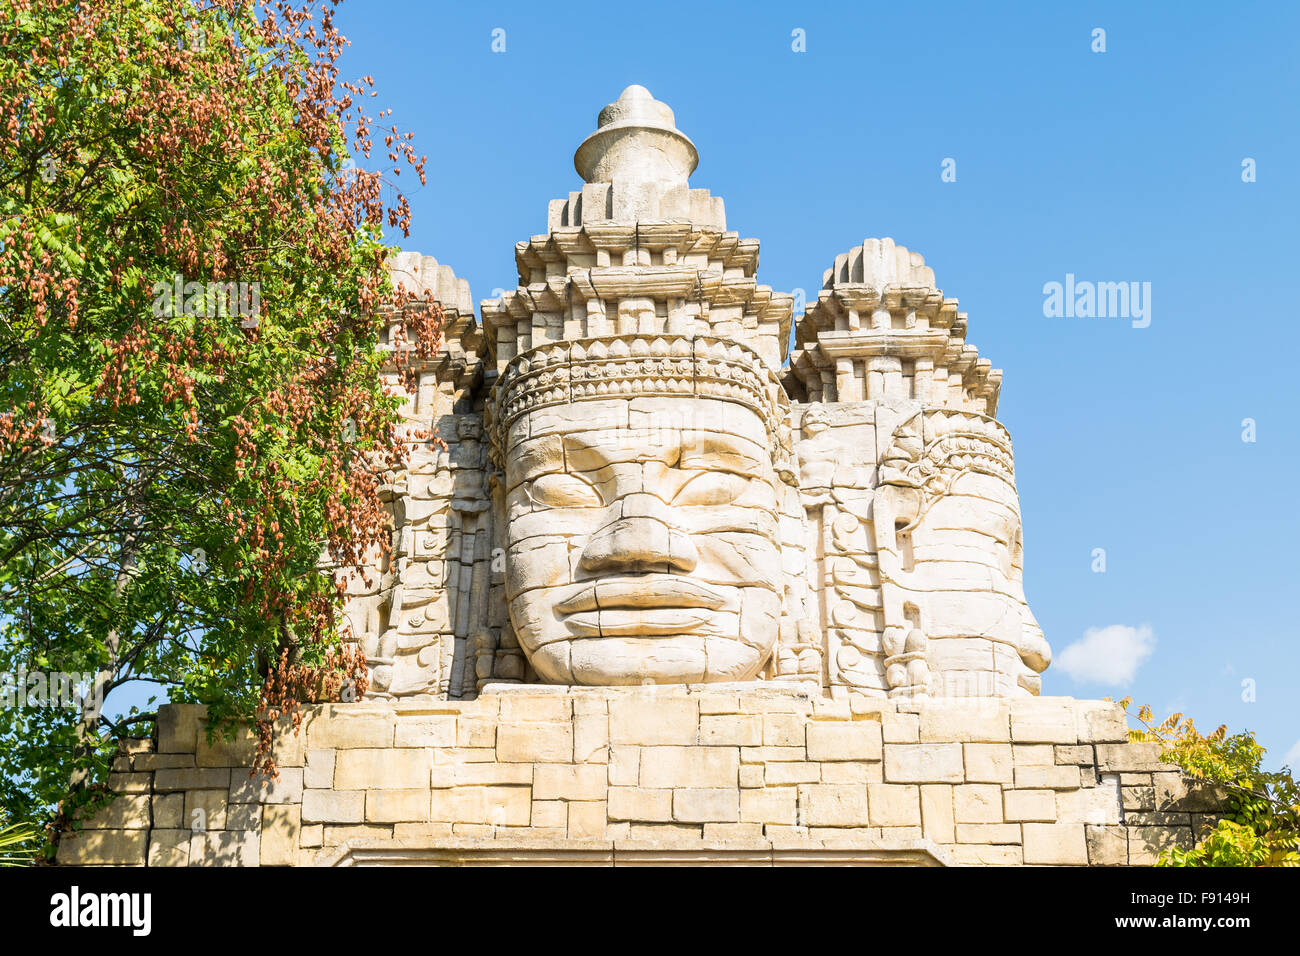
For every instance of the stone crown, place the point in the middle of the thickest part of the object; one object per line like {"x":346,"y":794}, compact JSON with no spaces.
{"x":631,"y":366}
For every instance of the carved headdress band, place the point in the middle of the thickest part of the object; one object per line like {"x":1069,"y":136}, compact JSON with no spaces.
{"x":952,"y":444}
{"x":632,"y":366}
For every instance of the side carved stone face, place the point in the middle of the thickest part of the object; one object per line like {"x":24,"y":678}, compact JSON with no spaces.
{"x":967,"y":578}
{"x":642,"y":541}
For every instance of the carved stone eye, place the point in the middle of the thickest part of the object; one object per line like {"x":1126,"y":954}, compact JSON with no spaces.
{"x":560,"y":490}
{"x":711,"y":488}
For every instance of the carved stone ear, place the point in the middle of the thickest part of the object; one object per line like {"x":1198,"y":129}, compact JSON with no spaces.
{"x":904,"y":502}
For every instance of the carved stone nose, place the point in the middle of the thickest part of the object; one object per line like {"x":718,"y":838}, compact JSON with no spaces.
{"x":640,"y":539}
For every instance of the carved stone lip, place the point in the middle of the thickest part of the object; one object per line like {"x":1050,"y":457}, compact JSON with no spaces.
{"x":641,"y":622}
{"x":643,"y":591}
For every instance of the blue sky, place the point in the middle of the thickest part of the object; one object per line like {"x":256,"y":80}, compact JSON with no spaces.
{"x":1117,"y":166}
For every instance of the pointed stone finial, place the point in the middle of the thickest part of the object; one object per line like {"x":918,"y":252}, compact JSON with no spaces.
{"x":637,"y":140}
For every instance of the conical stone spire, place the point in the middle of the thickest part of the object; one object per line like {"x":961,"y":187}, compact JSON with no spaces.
{"x":637,"y":141}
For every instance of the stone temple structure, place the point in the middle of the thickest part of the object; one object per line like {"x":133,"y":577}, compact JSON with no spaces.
{"x":687,"y":578}
{"x":667,"y":500}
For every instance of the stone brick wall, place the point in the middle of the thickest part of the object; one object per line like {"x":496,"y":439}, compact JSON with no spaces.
{"x":960,"y":781}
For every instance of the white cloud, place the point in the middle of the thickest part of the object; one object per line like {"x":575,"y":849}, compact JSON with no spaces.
{"x":1292,"y":758}
{"x":1108,"y":655}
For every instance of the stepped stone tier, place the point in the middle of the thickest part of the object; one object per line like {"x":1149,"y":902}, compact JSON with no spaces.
{"x":682,"y":579}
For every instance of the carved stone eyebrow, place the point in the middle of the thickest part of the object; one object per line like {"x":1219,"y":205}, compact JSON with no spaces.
{"x":722,"y":452}
{"x":591,"y":451}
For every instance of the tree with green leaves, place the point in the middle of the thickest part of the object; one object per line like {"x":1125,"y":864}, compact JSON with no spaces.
{"x":193,"y":316}
{"x":1262,"y":825}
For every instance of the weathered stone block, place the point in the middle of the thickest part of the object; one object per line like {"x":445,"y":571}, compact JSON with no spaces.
{"x":988,"y":763}
{"x":549,"y":814}
{"x":1175,"y":792}
{"x":260,"y":789}
{"x":591,"y":738}
{"x":335,"y":728}
{"x":1130,"y":758}
{"x":1029,"y":806}
{"x":844,"y":740}
{"x":333,"y":806}
{"x":975,"y":855}
{"x":148,"y":762}
{"x":1107,"y":845}
{"x":893,"y":805}
{"x":397,"y":806}
{"x":783,"y":772}
{"x":130,"y":782}
{"x":833,"y":805}
{"x":639,"y":805}
{"x":990,"y":833}
{"x":1055,"y":844}
{"x":1047,"y":778}
{"x":1078,"y":754}
{"x":435,"y":730}
{"x":490,"y":773}
{"x":225,"y":848}
{"x":924,"y":763}
{"x":1145,"y":844}
{"x":901,"y":728}
{"x":206,"y":809}
{"x":1096,"y":805}
{"x":178,"y":727}
{"x":624,"y":766}
{"x":387,"y":769}
{"x":488,"y":806}
{"x":169,"y":813}
{"x":776,"y":805}
{"x":104,"y":847}
{"x":476,"y":732}
{"x":653,"y":721}
{"x":124,"y":812}
{"x":937,"y":814}
{"x":289,"y":746}
{"x":977,"y":803}
{"x":1157,"y":818}
{"x":852,"y":771}
{"x":711,"y":703}
{"x":282,"y":834}
{"x":243,"y":816}
{"x":733,"y":832}
{"x":169,"y":847}
{"x":969,"y":719}
{"x":587,"y":820}
{"x":1043,"y":720}
{"x":731,"y":730}
{"x":773,"y":754}
{"x":1138,"y":798}
{"x":319,"y":771}
{"x":334,"y":835}
{"x":570,"y":782}
{"x":696,"y":767}
{"x":1033,"y":755}
{"x":530,"y":707}
{"x":199,"y":778}
{"x":535,"y":743}
{"x":1100,"y":722}
{"x":783,"y":730}
{"x":711,"y":805}
{"x":237,"y":751}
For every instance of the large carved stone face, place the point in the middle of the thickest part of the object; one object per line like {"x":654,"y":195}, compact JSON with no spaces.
{"x":642,"y":541}
{"x":968,"y":579}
